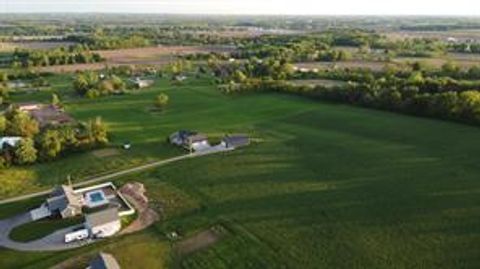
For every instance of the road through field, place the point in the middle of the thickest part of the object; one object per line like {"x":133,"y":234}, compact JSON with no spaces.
{"x":113,"y":175}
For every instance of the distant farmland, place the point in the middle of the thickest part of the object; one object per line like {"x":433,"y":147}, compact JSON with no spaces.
{"x":139,"y":56}
{"x":10,"y":46}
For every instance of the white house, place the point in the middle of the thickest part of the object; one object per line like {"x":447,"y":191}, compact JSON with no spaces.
{"x":11,"y":141}
{"x":142,"y":83}
{"x":103,"y":223}
{"x":189,"y":140}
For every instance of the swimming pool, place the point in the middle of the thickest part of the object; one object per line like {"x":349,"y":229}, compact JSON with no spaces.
{"x":96,"y":198}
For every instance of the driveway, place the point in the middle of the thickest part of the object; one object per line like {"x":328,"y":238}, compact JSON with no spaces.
{"x":52,"y":242}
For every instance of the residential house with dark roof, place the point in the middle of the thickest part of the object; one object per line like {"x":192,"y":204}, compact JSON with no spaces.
{"x":65,"y":202}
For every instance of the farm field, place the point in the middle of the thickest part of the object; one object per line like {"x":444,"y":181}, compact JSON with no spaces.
{"x":158,"y":56}
{"x":371,"y":65}
{"x":10,"y":46}
{"x":461,"y":35}
{"x":314,"y":82}
{"x":323,"y":186}
{"x":463,"y":60}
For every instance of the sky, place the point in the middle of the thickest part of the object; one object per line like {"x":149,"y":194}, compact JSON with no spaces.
{"x":267,"y":7}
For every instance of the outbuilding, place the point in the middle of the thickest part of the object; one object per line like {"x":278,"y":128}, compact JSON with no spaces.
{"x":103,"y":223}
{"x":9,"y":141}
{"x":235,"y":141}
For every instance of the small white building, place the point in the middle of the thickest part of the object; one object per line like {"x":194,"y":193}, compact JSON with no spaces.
{"x":190,"y":140}
{"x":11,"y":141}
{"x":103,"y":223}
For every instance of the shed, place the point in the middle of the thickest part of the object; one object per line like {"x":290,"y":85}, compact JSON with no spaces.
{"x":235,"y":141}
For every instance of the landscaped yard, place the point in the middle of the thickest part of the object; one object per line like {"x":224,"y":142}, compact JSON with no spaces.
{"x":41,"y":228}
{"x":323,"y":186}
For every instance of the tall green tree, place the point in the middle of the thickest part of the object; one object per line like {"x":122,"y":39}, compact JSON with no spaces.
{"x":25,"y":152}
{"x":161,"y":101}
{"x":19,"y":123}
{"x":50,"y":144}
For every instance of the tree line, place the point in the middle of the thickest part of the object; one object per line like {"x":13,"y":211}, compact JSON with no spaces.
{"x":59,"y":56}
{"x":48,"y":143}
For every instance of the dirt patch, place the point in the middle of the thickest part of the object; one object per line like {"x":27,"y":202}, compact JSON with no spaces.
{"x":199,"y":241}
{"x":144,"y":220}
{"x":103,"y":153}
{"x":135,"y":194}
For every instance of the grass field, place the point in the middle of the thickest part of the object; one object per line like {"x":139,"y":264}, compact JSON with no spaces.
{"x":38,"y":229}
{"x":326,"y":186}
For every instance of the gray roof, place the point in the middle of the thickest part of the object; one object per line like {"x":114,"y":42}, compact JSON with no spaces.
{"x":197,"y":138}
{"x":102,"y":217}
{"x":237,"y":140}
{"x":63,"y":197}
{"x":104,"y":261}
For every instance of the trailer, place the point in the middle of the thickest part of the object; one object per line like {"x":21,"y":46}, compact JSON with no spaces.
{"x":77,"y":236}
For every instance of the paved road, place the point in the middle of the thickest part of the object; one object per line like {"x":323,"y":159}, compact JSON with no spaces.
{"x":106,"y":177}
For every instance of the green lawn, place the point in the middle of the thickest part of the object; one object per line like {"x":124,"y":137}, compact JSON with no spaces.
{"x":38,"y":229}
{"x":324,"y":186}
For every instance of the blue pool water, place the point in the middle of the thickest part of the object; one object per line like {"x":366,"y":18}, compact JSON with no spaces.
{"x":96,"y":197}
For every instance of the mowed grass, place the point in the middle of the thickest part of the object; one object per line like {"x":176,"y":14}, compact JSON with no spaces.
{"x":340,"y":187}
{"x":323,"y":186}
{"x":38,"y":229}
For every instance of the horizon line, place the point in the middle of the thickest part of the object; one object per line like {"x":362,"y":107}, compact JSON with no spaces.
{"x":244,"y":14}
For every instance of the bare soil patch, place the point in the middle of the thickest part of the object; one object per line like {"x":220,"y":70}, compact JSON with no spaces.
{"x":102,"y":153}
{"x":199,"y":241}
{"x":135,"y":194}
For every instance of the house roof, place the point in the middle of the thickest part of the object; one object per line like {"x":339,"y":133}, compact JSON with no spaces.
{"x":104,"y":261}
{"x":102,"y":217}
{"x":9,"y":140}
{"x":184,"y":134}
{"x":63,"y":197}
{"x":237,"y":140}
{"x":197,"y":138}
